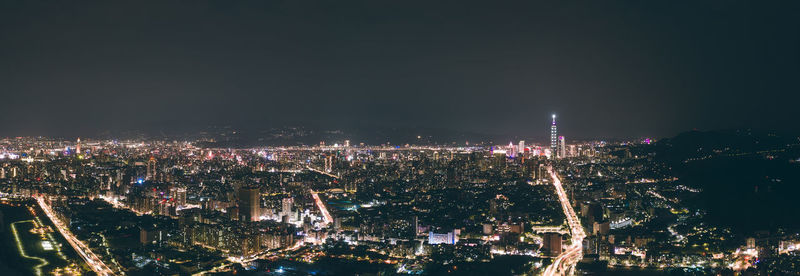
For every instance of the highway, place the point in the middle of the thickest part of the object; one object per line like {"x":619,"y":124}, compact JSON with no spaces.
{"x":565,"y":263}
{"x":91,"y":259}
{"x":326,"y":216}
{"x":321,"y":172}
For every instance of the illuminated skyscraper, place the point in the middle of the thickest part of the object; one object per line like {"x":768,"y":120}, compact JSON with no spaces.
{"x":179,"y":194}
{"x":328,"y":163}
{"x":286,"y":205}
{"x":151,"y":168}
{"x":249,"y":204}
{"x":562,"y":147}
{"x":553,"y":136}
{"x":522,"y":147}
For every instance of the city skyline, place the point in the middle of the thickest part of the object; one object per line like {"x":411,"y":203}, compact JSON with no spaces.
{"x":454,"y":137}
{"x":114,"y":206}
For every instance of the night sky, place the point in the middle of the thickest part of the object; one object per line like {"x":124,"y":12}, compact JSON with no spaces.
{"x":610,"y":69}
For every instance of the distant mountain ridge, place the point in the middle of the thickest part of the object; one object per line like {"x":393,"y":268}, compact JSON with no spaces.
{"x":231,"y":136}
{"x":749,"y":179}
{"x":699,"y":144}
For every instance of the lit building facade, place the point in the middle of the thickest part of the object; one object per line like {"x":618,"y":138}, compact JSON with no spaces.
{"x":553,"y":136}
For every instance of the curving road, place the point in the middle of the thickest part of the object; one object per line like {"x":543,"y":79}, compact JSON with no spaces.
{"x":564,"y":263}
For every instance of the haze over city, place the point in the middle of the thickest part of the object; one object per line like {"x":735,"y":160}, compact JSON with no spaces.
{"x":611,"y":69}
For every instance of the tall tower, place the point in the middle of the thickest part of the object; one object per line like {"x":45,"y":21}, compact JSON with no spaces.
{"x":562,"y":147}
{"x":553,"y":137}
{"x":78,"y":146}
{"x":249,"y":204}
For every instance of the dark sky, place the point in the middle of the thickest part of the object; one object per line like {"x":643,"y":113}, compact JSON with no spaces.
{"x":607,"y":68}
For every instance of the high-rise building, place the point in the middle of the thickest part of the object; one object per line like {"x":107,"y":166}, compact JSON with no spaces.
{"x":562,"y":147}
{"x":442,"y":238}
{"x":151,"y":168}
{"x":552,"y":243}
{"x":249,"y":204}
{"x":522,"y":146}
{"x":286,"y":207}
{"x":328,"y":163}
{"x":179,"y":194}
{"x":541,"y":174}
{"x":553,"y":136}
{"x":78,"y":146}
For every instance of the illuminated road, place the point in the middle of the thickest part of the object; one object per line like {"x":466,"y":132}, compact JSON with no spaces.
{"x":325,"y":214}
{"x":91,"y":259}
{"x":565,"y":263}
{"x":321,"y":172}
{"x":322,"y":209}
